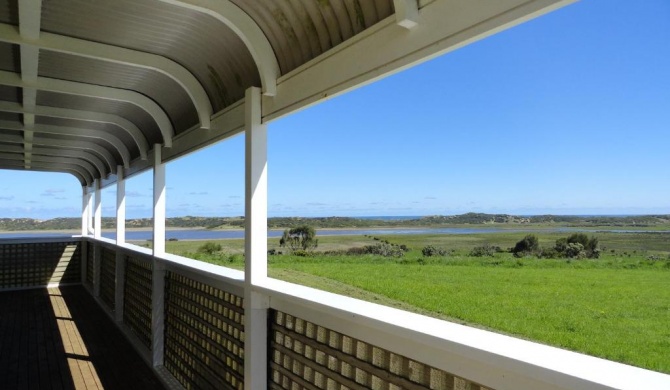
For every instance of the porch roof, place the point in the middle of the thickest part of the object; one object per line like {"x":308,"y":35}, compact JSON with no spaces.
{"x":87,"y":86}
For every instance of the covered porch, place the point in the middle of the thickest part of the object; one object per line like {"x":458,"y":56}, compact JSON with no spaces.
{"x":138,"y":84}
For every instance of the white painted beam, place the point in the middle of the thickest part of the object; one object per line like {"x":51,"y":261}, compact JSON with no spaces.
{"x":406,"y":13}
{"x":88,"y":116}
{"x":29,"y":63}
{"x":27,"y":146}
{"x":97,"y":91}
{"x":255,"y":244}
{"x":249,"y":32}
{"x":384,"y":49}
{"x":118,"y":55}
{"x":74,"y":131}
{"x":30,"y":17}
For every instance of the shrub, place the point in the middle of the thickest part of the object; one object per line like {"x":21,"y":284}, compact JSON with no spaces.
{"x":209,"y":248}
{"x":299,"y":238}
{"x":575,"y":250}
{"x":528,"y":246}
{"x":484,"y":250}
{"x":578,"y":245}
{"x":430,"y":250}
{"x":384,"y":249}
{"x":550,"y":253}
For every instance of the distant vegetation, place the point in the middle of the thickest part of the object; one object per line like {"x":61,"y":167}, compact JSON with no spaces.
{"x":469,"y":219}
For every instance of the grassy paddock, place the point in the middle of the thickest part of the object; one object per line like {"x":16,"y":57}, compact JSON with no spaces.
{"x":616,"y":307}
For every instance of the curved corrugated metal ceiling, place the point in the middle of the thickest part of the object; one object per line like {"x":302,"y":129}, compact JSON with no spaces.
{"x":61,"y":109}
{"x":200,"y":43}
{"x":300,"y":30}
{"x":135,"y":73}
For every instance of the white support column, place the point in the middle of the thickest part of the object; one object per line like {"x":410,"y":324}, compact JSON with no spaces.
{"x":255,"y":244}
{"x":120,"y":206}
{"x":85,"y":221}
{"x":159,"y":203}
{"x":120,"y":270}
{"x":85,"y":211}
{"x":158,"y":277}
{"x":89,"y":217}
{"x":97,"y":233}
{"x":97,"y":212}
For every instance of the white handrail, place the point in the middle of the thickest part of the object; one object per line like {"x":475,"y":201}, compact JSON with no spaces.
{"x":485,"y":357}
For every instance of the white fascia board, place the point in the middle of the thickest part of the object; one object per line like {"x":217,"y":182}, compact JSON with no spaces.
{"x":247,"y":30}
{"x":387,"y":48}
{"x":225,"y":124}
{"x":75,"y":131}
{"x":97,"y":91}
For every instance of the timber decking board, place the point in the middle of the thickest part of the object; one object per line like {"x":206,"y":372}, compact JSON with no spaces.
{"x":61,"y":339}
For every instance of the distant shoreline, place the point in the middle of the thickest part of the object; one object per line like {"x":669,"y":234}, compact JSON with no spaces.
{"x":468,"y":220}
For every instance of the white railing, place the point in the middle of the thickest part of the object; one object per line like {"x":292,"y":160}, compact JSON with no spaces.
{"x":482,"y":358}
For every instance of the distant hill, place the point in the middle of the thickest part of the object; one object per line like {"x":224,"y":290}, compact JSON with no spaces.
{"x":638,"y":221}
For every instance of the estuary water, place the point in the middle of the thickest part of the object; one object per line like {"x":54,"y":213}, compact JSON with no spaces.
{"x":204,"y":234}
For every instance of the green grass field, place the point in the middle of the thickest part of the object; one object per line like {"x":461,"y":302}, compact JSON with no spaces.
{"x":616,"y":307}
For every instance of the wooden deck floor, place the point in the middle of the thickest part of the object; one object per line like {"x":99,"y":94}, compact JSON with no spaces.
{"x":60,"y":338}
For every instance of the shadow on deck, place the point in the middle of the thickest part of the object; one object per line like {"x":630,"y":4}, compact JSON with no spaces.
{"x":59,"y":338}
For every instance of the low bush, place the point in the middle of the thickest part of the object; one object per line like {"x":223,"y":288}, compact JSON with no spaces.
{"x":209,"y":248}
{"x":430,"y":250}
{"x":485,"y":250}
{"x":530,"y":245}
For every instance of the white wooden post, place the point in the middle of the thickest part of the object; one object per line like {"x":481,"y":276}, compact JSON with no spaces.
{"x":255,"y":247}
{"x":85,"y":218}
{"x":120,"y":270}
{"x":159,"y":203}
{"x":97,"y":233}
{"x":97,"y":212}
{"x":158,"y":278}
{"x":85,"y":211}
{"x":120,"y":206}
{"x":89,"y":216}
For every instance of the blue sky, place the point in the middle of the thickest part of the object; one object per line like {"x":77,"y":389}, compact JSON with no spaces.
{"x":566,"y":114}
